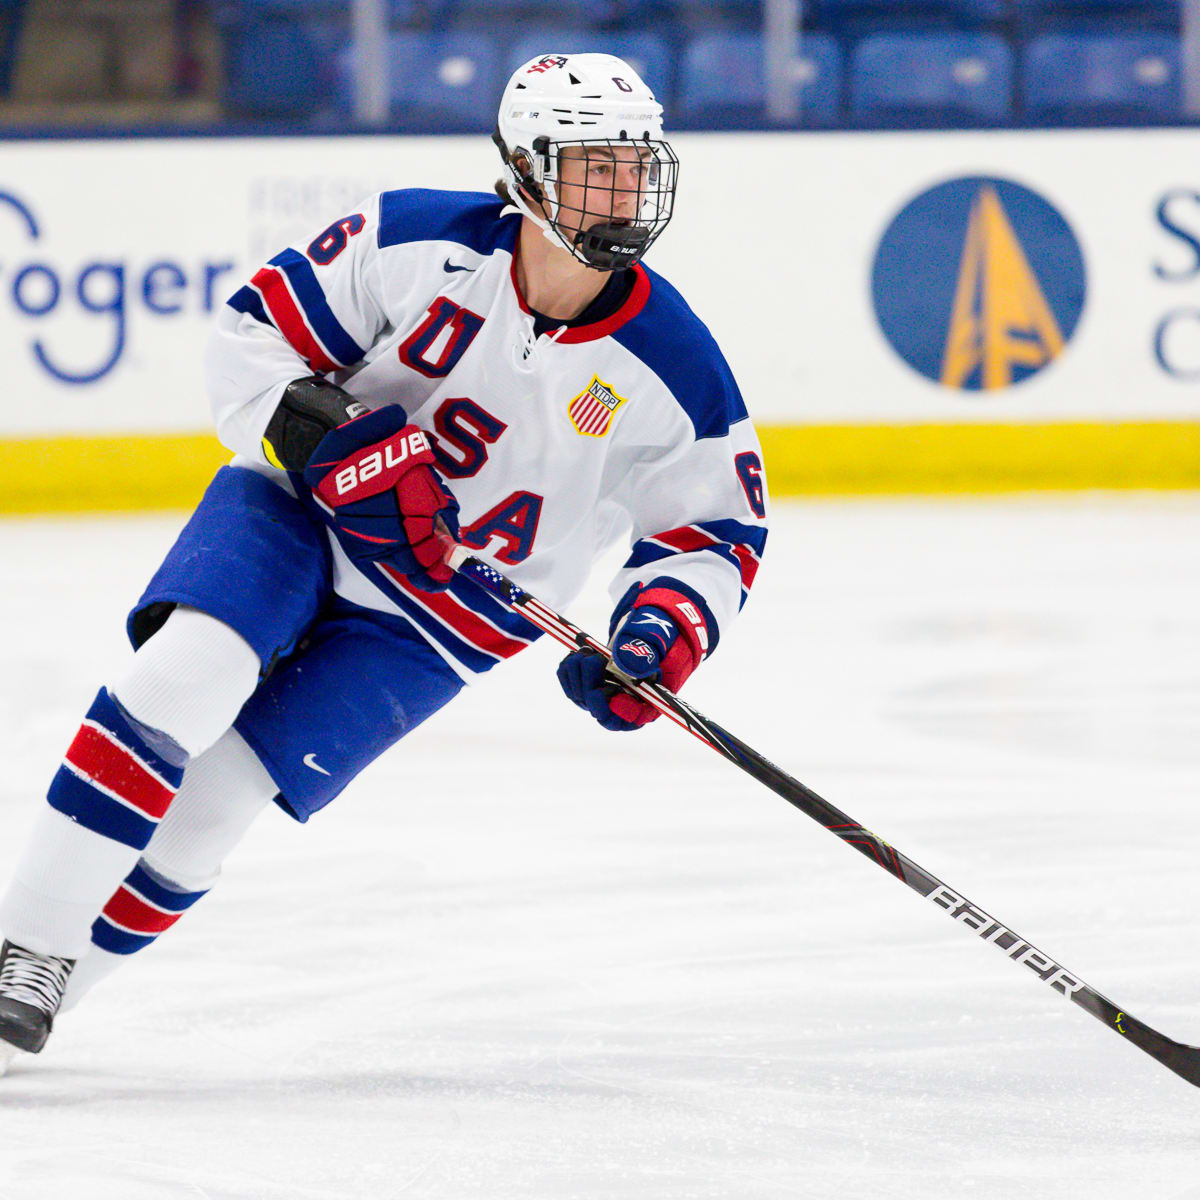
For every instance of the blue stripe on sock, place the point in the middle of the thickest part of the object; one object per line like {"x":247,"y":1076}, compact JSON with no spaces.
{"x":91,"y":808}
{"x":160,"y":890}
{"x":117,"y":941}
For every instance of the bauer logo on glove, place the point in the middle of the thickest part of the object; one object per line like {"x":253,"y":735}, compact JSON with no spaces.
{"x":393,"y":453}
{"x":376,"y":477}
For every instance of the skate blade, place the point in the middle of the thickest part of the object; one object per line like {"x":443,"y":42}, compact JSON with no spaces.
{"x":7,"y":1053}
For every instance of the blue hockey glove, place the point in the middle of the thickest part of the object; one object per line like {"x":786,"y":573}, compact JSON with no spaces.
{"x":376,"y":474}
{"x":661,"y":639}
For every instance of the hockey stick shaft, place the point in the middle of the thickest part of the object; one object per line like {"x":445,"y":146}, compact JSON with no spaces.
{"x":1184,"y":1060}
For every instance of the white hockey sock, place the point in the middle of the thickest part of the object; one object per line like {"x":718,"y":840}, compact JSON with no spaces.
{"x":64,"y":876}
{"x":222,"y":793}
{"x":119,"y":776}
{"x":189,"y":680}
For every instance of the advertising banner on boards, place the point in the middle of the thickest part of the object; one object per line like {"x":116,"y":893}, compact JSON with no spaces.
{"x":853,"y":280}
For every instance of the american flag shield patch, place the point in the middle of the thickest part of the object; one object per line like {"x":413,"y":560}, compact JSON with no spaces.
{"x":591,"y":412}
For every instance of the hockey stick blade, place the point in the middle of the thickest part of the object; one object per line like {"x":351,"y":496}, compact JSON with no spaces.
{"x":1183,"y":1059}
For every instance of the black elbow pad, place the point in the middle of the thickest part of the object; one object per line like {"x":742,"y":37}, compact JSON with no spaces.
{"x":309,"y":409}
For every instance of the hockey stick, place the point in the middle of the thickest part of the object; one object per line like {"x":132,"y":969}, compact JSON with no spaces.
{"x":1182,"y":1059}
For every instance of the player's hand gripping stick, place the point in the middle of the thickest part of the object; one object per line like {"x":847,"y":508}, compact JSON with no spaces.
{"x":661,"y":639}
{"x":376,"y":476}
{"x":1183,"y":1059}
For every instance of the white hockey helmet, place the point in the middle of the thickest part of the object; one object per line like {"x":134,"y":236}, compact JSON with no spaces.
{"x":599,"y":103}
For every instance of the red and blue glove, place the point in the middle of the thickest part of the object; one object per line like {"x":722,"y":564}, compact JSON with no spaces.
{"x":376,"y":474}
{"x":661,"y":639}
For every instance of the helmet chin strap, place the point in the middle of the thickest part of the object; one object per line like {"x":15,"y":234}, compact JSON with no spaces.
{"x":603,"y":246}
{"x":612,"y":247}
{"x":549,"y":232}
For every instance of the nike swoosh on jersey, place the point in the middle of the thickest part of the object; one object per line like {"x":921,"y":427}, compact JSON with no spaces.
{"x":448,"y":267}
{"x":310,"y":760}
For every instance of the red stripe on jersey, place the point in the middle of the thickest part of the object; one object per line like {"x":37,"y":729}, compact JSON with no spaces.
{"x":106,"y":762}
{"x":689,"y":538}
{"x":469,"y":626}
{"x":290,"y":320}
{"x":135,"y":914}
{"x":686,"y":539}
{"x":748,"y":564}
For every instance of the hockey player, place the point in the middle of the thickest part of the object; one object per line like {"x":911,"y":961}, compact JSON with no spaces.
{"x":500,"y":370}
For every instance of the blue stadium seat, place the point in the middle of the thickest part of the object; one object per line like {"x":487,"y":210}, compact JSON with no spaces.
{"x":397,"y":11}
{"x":931,"y":79}
{"x":522,"y":13}
{"x":240,"y":9}
{"x":649,"y":55}
{"x":914,"y":13}
{"x":11,"y":15}
{"x":1084,"y":78}
{"x":735,"y":8}
{"x":449,"y":81}
{"x":691,"y":18}
{"x":584,"y":12}
{"x":723,"y":79}
{"x":419,"y":12}
{"x":1133,"y":15}
{"x":274,"y":69}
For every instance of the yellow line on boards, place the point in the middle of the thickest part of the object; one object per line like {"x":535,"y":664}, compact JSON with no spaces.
{"x":107,"y":473}
{"x":135,"y":472}
{"x":812,"y":460}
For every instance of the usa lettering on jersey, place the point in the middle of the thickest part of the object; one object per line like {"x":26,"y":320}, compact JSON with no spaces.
{"x":550,"y":443}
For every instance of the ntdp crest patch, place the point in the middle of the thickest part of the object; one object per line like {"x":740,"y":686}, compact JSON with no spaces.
{"x":591,"y":412}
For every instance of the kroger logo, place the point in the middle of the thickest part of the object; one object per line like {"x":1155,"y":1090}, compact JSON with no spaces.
{"x":978,"y":283}
{"x":52,"y":296}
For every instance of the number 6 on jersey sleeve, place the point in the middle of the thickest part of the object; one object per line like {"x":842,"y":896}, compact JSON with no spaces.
{"x":749,"y":470}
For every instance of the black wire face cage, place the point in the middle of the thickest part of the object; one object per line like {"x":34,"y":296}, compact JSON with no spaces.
{"x":611,"y":197}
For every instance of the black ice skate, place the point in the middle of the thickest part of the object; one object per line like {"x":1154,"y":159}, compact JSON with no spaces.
{"x":31,"y":989}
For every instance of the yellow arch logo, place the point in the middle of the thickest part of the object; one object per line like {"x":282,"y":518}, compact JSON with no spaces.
{"x":978,"y":283}
{"x":1000,"y":318}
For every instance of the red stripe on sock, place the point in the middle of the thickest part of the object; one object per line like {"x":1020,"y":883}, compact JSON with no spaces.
{"x":135,"y":914}
{"x":109,"y":764}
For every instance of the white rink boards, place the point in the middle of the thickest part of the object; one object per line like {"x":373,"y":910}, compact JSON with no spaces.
{"x":116,"y":254}
{"x":523,"y":957}
{"x":905,"y":312}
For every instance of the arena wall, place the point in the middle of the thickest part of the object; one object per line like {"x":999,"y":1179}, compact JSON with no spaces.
{"x":905,"y":312}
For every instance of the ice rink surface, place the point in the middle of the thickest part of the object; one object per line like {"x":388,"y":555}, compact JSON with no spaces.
{"x":522,"y":957}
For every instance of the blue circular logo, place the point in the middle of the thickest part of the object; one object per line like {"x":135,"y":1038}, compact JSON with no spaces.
{"x":978,"y":283}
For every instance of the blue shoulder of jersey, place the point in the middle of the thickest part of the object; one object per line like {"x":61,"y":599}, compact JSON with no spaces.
{"x":472,"y":219}
{"x":677,"y":346}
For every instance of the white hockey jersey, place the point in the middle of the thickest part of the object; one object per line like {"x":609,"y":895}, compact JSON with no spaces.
{"x":555,"y":446}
